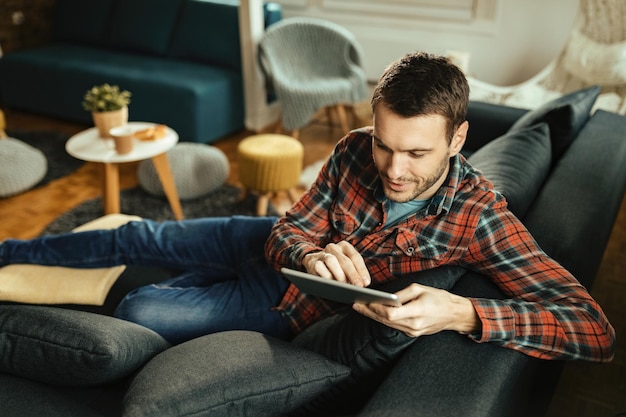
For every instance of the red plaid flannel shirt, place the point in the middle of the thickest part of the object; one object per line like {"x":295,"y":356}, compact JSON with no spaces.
{"x":549,"y":313}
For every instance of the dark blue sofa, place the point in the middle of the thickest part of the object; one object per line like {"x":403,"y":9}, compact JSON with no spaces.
{"x":179,"y":58}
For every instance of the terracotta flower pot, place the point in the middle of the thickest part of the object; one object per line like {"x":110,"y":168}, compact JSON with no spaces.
{"x":107,"y":120}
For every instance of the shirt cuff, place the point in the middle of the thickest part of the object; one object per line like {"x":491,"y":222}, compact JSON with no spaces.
{"x":497,"y":320}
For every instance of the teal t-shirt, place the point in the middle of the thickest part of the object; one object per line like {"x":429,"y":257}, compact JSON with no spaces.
{"x":399,"y":211}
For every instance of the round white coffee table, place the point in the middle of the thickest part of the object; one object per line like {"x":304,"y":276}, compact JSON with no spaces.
{"x":89,"y":146}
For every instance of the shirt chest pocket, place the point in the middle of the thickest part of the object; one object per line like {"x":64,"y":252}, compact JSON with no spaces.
{"x":345,"y":223}
{"x":409,"y":244}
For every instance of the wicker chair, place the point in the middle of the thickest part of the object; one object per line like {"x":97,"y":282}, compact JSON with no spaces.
{"x":594,"y":54}
{"x":311,"y":64}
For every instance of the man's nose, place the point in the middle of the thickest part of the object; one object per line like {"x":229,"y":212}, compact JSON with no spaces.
{"x":395,"y":168}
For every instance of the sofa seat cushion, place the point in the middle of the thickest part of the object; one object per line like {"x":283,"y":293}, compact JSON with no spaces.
{"x":72,"y":348}
{"x":230,"y":374}
{"x":517,"y":163}
{"x":21,"y":397}
{"x":209,"y":100}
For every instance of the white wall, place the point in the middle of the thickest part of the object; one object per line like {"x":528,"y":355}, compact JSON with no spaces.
{"x":518,"y":38}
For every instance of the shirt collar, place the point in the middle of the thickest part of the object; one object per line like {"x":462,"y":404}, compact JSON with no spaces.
{"x":444,"y":197}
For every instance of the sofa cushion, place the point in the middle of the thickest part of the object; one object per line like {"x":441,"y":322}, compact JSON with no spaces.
{"x":143,"y":25}
{"x":488,"y":121}
{"x":72,"y":348}
{"x":205,"y":32}
{"x":82,"y":21}
{"x":517,"y":163}
{"x":230,"y":374}
{"x":21,"y":397}
{"x":565,"y":115}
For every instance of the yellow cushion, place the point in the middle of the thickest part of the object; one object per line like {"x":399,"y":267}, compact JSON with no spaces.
{"x":270,"y":162}
{"x":37,"y":284}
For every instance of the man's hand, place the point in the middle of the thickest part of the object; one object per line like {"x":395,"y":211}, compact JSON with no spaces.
{"x":339,"y":261}
{"x":424,"y":311}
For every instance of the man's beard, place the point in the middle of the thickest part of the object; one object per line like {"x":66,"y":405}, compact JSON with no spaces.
{"x":420,"y":185}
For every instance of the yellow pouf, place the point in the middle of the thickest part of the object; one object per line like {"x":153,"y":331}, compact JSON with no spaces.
{"x":269,"y":163}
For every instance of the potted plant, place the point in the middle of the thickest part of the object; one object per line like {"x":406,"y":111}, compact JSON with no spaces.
{"x":108,"y":106}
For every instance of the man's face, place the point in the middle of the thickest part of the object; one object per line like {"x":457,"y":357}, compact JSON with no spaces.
{"x":412,"y":155}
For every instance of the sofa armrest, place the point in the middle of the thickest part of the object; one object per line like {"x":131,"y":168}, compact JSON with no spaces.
{"x":487,"y":122}
{"x":448,"y":374}
{"x":574,"y":213}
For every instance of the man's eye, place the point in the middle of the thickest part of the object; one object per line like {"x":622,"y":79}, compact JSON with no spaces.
{"x":382,"y":147}
{"x":416,"y":155}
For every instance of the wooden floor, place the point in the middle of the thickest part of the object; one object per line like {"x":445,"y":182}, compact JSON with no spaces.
{"x":585,"y":390}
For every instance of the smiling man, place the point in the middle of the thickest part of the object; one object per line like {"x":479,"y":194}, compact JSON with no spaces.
{"x":398,"y":197}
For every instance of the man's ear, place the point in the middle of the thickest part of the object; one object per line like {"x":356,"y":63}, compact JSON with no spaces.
{"x":458,"y":140}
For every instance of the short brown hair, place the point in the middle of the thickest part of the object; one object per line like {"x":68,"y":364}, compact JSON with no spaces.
{"x":421,"y":84}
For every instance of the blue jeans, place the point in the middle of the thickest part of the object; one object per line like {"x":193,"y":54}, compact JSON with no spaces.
{"x":226,"y":283}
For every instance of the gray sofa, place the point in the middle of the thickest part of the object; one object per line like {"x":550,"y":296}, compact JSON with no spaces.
{"x":180,"y":59}
{"x":564,"y":178}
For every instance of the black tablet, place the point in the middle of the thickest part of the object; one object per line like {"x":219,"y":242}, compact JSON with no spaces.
{"x":338,"y":291}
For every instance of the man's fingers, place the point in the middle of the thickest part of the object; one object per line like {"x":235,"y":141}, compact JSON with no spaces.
{"x":328,"y":266}
{"x":339,"y":261}
{"x":351,"y":263}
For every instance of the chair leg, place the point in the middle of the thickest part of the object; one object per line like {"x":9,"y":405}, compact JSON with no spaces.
{"x":3,"y":125}
{"x":243,"y":194}
{"x":354,"y":116}
{"x":329,"y":116}
{"x":279,"y":130}
{"x":343,"y":118}
{"x":262,"y":204}
{"x":279,"y":126}
{"x":293,"y":195}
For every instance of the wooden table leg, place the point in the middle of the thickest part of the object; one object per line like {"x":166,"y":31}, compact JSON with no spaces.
{"x":111,"y":188}
{"x":164,"y":172}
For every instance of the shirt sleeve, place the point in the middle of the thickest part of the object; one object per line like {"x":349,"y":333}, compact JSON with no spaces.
{"x":549,"y":314}
{"x":306,"y":226}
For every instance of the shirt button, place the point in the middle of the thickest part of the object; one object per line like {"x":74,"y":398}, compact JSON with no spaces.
{"x":410,"y":250}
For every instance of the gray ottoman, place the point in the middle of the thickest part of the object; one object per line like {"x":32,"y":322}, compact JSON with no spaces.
{"x":197,"y":169}
{"x":21,"y":166}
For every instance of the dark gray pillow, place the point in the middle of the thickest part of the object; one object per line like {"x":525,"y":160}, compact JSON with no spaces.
{"x":72,"y":348}
{"x":565,"y":115}
{"x":234,"y":373}
{"x":517,"y":164}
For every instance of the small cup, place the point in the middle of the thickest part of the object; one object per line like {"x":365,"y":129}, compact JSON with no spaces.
{"x":124,"y":138}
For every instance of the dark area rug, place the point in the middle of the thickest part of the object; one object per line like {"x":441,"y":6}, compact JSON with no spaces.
{"x":222,"y":202}
{"x":52,"y":144}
